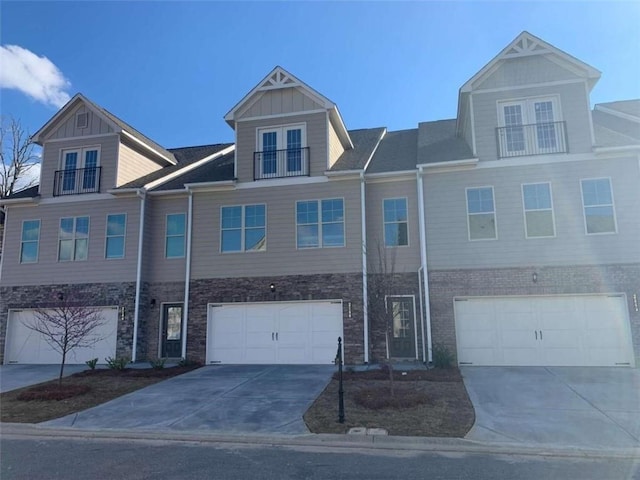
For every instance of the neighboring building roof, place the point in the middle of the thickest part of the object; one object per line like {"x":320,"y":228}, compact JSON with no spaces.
{"x":626,"y":107}
{"x":217,"y":170}
{"x":364,"y":144}
{"x":185,"y":156}
{"x":617,"y":124}
{"x":438,"y":142}
{"x":397,"y":152}
{"x":26,"y":193}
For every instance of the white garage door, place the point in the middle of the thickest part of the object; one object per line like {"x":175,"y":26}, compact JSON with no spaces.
{"x":23,"y":345}
{"x":589,"y":330}
{"x":270,"y":333}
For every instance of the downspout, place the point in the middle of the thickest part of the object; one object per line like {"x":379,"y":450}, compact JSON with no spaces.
{"x":136,"y":315}
{"x":365,"y":296}
{"x":423,"y":262}
{"x":4,"y":234}
{"x":187,"y":276}
{"x":424,"y":346}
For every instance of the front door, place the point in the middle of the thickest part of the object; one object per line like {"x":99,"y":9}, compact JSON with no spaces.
{"x":172,"y":330}
{"x":402,"y":341}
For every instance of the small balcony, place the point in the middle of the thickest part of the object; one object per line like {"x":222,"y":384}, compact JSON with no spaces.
{"x":535,"y":139}
{"x":292,"y":162}
{"x":76,"y":181}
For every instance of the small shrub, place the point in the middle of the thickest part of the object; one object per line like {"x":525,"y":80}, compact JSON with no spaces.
{"x":158,"y":363}
{"x":118,"y":363}
{"x":92,"y":363}
{"x":53,"y":392}
{"x":442,"y":356}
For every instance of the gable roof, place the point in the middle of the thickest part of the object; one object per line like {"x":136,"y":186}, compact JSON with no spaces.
{"x":629,"y":109}
{"x":617,"y":124}
{"x":525,"y":45}
{"x":396,"y":153}
{"x":279,"y":78}
{"x":117,"y":124}
{"x":438,"y":142}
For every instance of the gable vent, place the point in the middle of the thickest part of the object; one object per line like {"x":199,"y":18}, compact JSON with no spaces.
{"x":82,"y":120}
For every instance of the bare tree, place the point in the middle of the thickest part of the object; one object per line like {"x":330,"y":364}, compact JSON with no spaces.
{"x":18,"y":157}
{"x":67,"y":325}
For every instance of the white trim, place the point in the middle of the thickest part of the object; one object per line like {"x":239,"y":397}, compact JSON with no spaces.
{"x":166,"y":236}
{"x":320,"y":223}
{"x":535,"y":160}
{"x":424,"y":266}
{"x":525,"y":210}
{"x":365,"y":293}
{"x":592,"y":130}
{"x":620,"y":151}
{"x":448,"y":166}
{"x":107,"y":236}
{"x":327,"y":140}
{"x":80,"y":115}
{"x":281,"y":144}
{"x":159,"y":193}
{"x":526,"y":86}
{"x":616,"y":113}
{"x":474,"y":149}
{"x":83,"y":137}
{"x":384,"y":222}
{"x":136,"y":314}
{"x":495,"y":216}
{"x":384,"y":177}
{"x":148,"y":147}
{"x":16,"y":201}
{"x":243,"y":228}
{"x":187,"y":277}
{"x":85,"y":197}
{"x":39,"y":220}
{"x":281,"y":182}
{"x":281,"y":115}
{"x":375,"y":149}
{"x":73,"y":239}
{"x":81,"y":150}
{"x":211,"y":186}
{"x":613,"y":207}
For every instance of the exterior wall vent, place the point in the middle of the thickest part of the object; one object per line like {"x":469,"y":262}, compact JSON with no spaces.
{"x":82,"y":120}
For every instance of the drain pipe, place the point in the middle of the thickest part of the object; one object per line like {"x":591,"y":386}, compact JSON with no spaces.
{"x":187,"y":276}
{"x":365,"y":295}
{"x":423,"y":261}
{"x":424,"y":346}
{"x":136,"y":311}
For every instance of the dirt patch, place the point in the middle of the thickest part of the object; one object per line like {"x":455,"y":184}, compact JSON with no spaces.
{"x":437,"y":404}
{"x":83,"y":390}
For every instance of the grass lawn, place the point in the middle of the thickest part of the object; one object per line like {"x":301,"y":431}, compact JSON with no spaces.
{"x":87,"y":389}
{"x":430,"y":403}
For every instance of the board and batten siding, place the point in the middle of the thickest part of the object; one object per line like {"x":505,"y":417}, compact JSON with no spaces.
{"x":528,"y":70}
{"x":159,"y":268}
{"x":132,"y":165}
{"x":52,"y":161}
{"x":448,"y":244}
{"x":335,"y":145}
{"x":281,"y":256}
{"x":401,"y":259}
{"x":574,"y":106}
{"x":247,"y":142}
{"x":279,"y":101}
{"x":48,"y":270}
{"x":96,"y":125}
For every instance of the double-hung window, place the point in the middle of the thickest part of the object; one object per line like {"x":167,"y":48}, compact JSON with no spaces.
{"x":538,"y":210}
{"x":73,"y":239}
{"x":80,"y":171}
{"x":481,"y":213}
{"x":281,"y":152}
{"x":597,"y":202}
{"x":395,"y":222}
{"x":175,"y":235}
{"x":30,"y":241}
{"x":116,"y":231}
{"x":320,"y":223}
{"x":243,"y":228}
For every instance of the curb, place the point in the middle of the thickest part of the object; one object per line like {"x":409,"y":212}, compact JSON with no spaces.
{"x":377,"y":442}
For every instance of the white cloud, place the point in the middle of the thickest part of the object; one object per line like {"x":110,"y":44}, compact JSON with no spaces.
{"x":35,"y":76}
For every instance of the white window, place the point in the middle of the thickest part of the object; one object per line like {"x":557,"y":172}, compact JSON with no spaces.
{"x":30,"y":241}
{"x":73,"y":239}
{"x":243,"y":228}
{"x":481,"y":214}
{"x":538,"y":210}
{"x":115,"y":235}
{"x":79,"y":172}
{"x":281,"y":152}
{"x":530,"y":127}
{"x":320,"y":223}
{"x":395,"y":222}
{"x":174,"y":235}
{"x":597,"y":202}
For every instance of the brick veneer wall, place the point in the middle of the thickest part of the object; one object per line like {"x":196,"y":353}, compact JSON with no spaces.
{"x":444,"y":285}
{"x":101,"y":294}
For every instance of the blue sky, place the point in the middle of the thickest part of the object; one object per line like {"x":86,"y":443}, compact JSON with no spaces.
{"x":172,"y":70}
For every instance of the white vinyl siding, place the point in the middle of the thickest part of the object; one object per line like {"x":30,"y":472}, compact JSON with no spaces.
{"x":320,"y":223}
{"x":597,"y":203}
{"x":538,"y":210}
{"x":175,"y":235}
{"x":396,"y":229}
{"x":481,"y":213}
{"x":73,"y":239}
{"x":30,"y":241}
{"x":243,"y":228}
{"x":115,"y":235}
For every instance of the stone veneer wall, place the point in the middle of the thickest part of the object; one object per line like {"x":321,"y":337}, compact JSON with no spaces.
{"x":444,"y":285}
{"x":101,"y":294}
{"x":347,"y":287}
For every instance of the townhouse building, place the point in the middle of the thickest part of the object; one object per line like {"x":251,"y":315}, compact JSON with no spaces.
{"x":506,"y":236}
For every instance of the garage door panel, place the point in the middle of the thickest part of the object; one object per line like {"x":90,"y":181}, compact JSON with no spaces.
{"x":519,"y":356}
{"x":477,"y":339}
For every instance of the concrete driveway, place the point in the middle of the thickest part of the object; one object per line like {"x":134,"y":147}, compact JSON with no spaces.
{"x":569,"y":406}
{"x":18,"y":376}
{"x":259,"y":399}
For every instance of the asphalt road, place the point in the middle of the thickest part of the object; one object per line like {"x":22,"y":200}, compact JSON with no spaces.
{"x":59,"y":458}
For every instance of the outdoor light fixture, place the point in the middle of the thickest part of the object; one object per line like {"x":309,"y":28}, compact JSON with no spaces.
{"x":535,"y":277}
{"x":60,"y":296}
{"x":272,"y":287}
{"x":153,"y":302}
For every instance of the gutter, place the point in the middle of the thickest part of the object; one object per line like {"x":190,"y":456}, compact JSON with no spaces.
{"x":136,"y":315}
{"x":365,"y":295}
{"x":423,"y":263}
{"x":187,"y":276}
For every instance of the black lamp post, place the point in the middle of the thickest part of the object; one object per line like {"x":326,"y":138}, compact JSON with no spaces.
{"x":340,"y":389}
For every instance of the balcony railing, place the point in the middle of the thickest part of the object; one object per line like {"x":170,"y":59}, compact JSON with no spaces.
{"x":293,"y":162}
{"x":535,"y":139}
{"x":76,"y":181}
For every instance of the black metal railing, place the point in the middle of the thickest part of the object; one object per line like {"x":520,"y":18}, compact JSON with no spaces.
{"x":76,"y":181}
{"x":292,"y":162}
{"x":535,"y":139}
